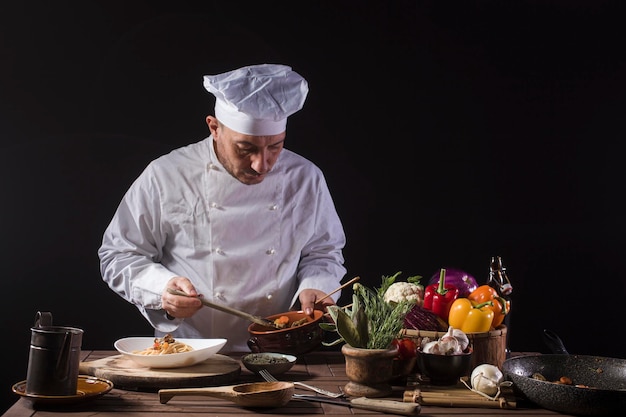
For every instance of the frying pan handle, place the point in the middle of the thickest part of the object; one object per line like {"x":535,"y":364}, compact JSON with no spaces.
{"x":554,"y":342}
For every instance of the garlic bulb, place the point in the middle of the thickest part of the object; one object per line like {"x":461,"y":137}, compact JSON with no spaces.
{"x":461,"y":337}
{"x":454,"y":342}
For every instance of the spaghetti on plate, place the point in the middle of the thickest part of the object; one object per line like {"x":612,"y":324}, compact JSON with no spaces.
{"x":164,"y":346}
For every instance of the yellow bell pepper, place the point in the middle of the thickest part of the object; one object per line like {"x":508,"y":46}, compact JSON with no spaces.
{"x":471,"y":317}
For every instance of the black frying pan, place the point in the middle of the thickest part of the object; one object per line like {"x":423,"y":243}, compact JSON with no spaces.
{"x":604,"y":377}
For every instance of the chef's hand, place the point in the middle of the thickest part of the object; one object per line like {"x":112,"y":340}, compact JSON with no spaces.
{"x":308,"y":301}
{"x":179,"y":306}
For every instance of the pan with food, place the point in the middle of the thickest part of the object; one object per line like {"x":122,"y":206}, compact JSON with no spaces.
{"x":568,"y":383}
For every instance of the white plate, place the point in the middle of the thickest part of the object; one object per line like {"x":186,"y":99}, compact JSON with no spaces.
{"x":203,"y":349}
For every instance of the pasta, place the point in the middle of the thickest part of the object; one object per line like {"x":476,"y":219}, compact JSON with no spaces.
{"x":165,"y":346}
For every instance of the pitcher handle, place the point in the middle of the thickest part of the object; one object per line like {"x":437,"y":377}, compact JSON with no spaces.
{"x":43,"y":319}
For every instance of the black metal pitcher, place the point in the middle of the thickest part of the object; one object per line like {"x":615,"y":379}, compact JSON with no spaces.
{"x":54,"y":358}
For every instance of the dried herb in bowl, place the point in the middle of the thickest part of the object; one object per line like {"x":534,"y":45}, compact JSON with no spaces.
{"x":274,"y":363}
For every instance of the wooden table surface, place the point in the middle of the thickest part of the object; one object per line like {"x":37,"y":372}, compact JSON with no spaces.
{"x":325,"y":369}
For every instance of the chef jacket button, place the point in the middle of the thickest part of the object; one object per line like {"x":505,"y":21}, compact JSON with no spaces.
{"x":271,"y":251}
{"x":219,"y":250}
{"x":212,"y":165}
{"x":274,"y":207}
{"x":218,"y":295}
{"x":213,"y":204}
{"x":269,"y":296}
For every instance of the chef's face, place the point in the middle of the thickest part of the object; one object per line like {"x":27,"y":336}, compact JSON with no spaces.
{"x":247,"y":158}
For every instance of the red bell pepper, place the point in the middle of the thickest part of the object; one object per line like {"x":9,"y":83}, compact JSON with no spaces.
{"x":439,"y":297}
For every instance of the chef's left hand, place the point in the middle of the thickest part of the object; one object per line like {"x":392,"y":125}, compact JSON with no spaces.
{"x":308,"y":300}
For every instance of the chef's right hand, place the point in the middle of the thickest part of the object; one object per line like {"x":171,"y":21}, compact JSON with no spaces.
{"x":179,"y":306}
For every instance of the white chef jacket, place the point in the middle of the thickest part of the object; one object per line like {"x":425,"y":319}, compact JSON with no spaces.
{"x":251,"y":247}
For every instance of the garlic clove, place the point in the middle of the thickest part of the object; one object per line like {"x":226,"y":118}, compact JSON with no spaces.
{"x":462,"y":338}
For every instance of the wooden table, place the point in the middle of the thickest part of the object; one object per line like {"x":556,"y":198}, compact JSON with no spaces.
{"x":325,"y":369}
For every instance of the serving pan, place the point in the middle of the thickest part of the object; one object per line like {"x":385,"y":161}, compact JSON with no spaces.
{"x":603,"y":380}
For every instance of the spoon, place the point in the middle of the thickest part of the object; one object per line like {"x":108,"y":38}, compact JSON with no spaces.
{"x":254,"y":394}
{"x":278,"y":394}
{"x":255,"y":319}
{"x":353,"y":280}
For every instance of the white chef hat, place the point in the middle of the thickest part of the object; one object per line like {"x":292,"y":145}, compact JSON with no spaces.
{"x":257,"y":99}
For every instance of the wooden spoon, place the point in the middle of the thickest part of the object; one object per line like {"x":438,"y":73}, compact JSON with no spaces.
{"x":255,"y":319}
{"x":254,"y":394}
{"x":353,"y":280}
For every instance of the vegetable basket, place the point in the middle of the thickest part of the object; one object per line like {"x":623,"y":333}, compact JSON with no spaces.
{"x":489,"y":347}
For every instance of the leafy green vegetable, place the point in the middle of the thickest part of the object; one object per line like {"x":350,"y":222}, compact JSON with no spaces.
{"x":371,"y":323}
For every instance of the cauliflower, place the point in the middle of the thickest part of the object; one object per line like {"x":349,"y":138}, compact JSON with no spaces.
{"x":402,"y":291}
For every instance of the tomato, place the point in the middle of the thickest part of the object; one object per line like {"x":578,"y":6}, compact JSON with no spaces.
{"x":407,"y":348}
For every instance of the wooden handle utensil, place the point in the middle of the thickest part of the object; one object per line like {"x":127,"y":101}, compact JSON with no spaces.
{"x":254,"y":394}
{"x":355,"y":279}
{"x":373,"y":404}
{"x":255,"y":319}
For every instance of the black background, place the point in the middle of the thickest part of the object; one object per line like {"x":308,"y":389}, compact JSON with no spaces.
{"x":448,"y":131}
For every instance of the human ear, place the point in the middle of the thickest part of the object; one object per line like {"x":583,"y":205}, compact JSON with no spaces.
{"x":213,"y":124}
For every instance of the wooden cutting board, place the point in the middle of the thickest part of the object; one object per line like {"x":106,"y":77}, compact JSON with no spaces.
{"x":126,"y":374}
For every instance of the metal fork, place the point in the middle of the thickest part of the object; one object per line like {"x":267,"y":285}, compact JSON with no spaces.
{"x":270,"y":378}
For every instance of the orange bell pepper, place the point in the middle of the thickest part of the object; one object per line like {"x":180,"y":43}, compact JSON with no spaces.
{"x":500,"y":306}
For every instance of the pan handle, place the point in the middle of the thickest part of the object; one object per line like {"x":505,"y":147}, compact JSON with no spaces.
{"x":554,"y":342}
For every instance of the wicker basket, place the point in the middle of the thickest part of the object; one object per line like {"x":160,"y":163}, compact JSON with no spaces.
{"x":489,"y":347}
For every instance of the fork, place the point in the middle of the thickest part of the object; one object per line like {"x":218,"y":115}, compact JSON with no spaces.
{"x":270,"y":378}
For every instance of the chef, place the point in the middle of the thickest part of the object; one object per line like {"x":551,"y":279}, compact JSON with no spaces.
{"x":235,"y":218}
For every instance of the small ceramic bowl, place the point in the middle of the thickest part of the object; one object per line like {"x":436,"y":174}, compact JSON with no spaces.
{"x":274,"y":363}
{"x":444,"y":369}
{"x":295,"y":341}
